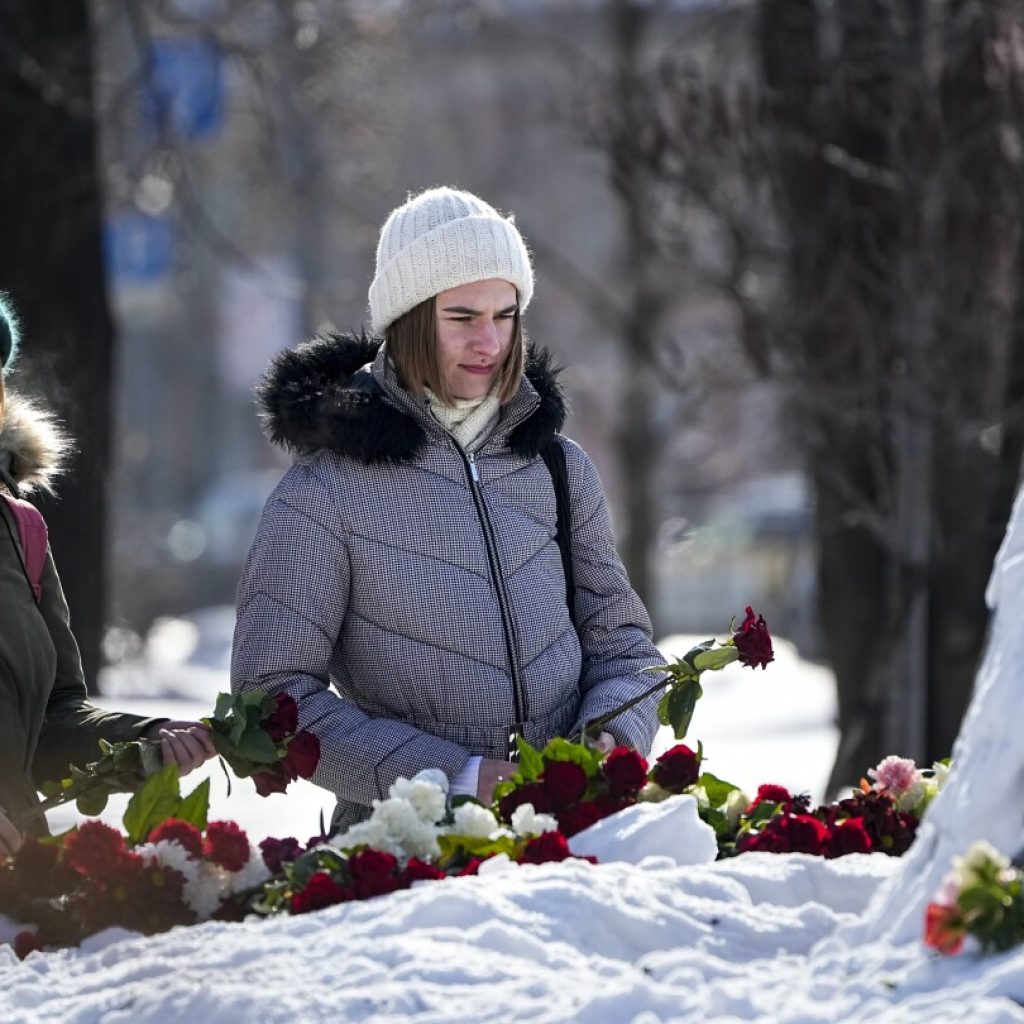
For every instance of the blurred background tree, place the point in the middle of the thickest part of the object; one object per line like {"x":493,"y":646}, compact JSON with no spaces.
{"x":778,"y":248}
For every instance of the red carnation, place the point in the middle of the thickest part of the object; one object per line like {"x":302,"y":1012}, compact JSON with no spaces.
{"x":544,"y":849}
{"x":471,"y":867}
{"x":625,"y":770}
{"x":533,"y":793}
{"x":302,"y":757}
{"x":677,"y":769}
{"x":284,"y":719}
{"x":565,"y":783}
{"x":94,"y":849}
{"x":181,"y":832}
{"x":575,"y":819}
{"x":26,"y":942}
{"x":320,"y":891}
{"x":849,"y":836}
{"x":419,"y":871}
{"x":753,"y":641}
{"x":278,"y":852}
{"x":373,"y":873}
{"x":227,"y":845}
{"x":772,"y":794}
{"x":271,"y":781}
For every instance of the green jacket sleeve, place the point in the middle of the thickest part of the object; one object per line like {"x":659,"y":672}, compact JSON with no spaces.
{"x":73,"y":725}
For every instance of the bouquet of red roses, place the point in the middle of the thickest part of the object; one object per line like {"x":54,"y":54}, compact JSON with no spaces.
{"x":258,"y":736}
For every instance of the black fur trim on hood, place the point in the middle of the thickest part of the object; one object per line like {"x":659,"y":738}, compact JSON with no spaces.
{"x":318,"y":396}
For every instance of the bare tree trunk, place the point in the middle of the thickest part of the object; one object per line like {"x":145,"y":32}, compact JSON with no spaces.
{"x":51,"y":264}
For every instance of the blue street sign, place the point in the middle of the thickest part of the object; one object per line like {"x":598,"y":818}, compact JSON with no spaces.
{"x":184,"y":90}
{"x":139,"y":248}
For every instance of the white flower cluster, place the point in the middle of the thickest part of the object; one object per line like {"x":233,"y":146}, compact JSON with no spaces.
{"x":207,"y":885}
{"x":411,"y":820}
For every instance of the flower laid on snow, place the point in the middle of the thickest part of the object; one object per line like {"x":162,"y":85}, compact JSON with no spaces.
{"x":412,"y":836}
{"x":981,"y":898}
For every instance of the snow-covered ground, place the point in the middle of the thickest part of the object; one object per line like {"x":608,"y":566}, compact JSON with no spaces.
{"x":787,"y":939}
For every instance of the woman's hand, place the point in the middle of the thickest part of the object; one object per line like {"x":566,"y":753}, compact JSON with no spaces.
{"x":491,"y":773}
{"x":10,"y":837}
{"x":187,"y":744}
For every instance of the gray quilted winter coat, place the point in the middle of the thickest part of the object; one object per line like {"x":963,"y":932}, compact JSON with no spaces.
{"x":411,"y":597}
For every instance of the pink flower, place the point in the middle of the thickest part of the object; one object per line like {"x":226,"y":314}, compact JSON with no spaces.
{"x":894,"y":775}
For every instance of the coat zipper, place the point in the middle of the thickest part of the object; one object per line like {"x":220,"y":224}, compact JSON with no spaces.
{"x":516,"y":729}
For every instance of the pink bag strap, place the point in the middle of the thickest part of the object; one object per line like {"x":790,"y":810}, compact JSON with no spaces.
{"x":34,"y":540}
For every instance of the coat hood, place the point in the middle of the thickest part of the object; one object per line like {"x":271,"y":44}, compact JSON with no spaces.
{"x":33,"y":447}
{"x":321,"y":395}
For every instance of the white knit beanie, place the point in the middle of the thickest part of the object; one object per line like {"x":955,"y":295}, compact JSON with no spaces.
{"x":440,"y":239}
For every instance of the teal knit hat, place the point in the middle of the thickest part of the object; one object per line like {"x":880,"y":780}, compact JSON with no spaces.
{"x":8,"y":334}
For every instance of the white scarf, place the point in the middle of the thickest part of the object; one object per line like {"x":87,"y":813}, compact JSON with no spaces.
{"x":469,"y":420}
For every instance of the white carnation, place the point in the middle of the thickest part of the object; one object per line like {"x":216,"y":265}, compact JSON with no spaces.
{"x":434,"y":776}
{"x":206,"y":892}
{"x":941,"y":774}
{"x":527,"y":822}
{"x":473,"y":820}
{"x":426,"y":796}
{"x":981,"y":854}
{"x":253,"y":874}
{"x":169,"y":853}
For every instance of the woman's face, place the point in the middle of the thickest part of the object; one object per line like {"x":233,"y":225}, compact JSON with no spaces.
{"x":475,"y":323}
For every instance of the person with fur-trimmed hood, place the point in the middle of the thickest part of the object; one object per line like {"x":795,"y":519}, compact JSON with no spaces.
{"x":46,"y":719}
{"x":405,"y":586}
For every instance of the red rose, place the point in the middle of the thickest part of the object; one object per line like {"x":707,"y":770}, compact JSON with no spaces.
{"x":677,"y":769}
{"x":849,"y":836}
{"x":278,"y":852}
{"x":94,"y":849}
{"x":302,"y":757}
{"x":26,"y":942}
{"x":608,"y":805}
{"x":806,"y":834}
{"x":565,"y":783}
{"x":532,"y":793}
{"x":283,"y":720}
{"x":575,"y":819}
{"x":545,"y":849}
{"x":625,"y":770}
{"x":320,"y":891}
{"x":418,"y":871}
{"x":181,"y":832}
{"x":753,"y":641}
{"x":227,"y":845}
{"x":374,"y":873}
{"x":270,"y":781}
{"x":943,"y":929}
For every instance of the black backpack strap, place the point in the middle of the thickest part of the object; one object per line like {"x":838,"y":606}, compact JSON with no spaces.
{"x":553,"y":455}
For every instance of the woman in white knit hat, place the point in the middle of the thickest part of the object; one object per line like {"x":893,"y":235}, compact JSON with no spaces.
{"x":406,"y":585}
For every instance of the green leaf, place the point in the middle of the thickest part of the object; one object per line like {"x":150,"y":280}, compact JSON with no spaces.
{"x":155,"y":802}
{"x":717,"y":789}
{"x":476,"y":846}
{"x":531,"y":764}
{"x":682,"y":699}
{"x":713,"y":660}
{"x":195,"y":807}
{"x":221,"y":709}
{"x":256,"y":745}
{"x":663,"y":718}
{"x":561,"y":749}
{"x":92,"y":802}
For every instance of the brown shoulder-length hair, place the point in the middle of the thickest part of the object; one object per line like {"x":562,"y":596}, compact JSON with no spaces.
{"x":412,"y":346}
